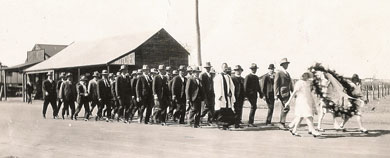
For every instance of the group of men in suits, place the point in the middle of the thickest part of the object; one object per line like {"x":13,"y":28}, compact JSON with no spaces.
{"x":161,"y":94}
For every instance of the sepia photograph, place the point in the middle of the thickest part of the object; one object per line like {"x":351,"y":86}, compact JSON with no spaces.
{"x":194,"y":78}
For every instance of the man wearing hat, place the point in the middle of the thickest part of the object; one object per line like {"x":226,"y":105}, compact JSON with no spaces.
{"x":114,"y":99}
{"x":92,"y":91}
{"x":59,"y":82}
{"x":267,"y":88}
{"x":172,"y":105}
{"x":189,"y":71}
{"x":82,"y":98}
{"x":123,"y":93}
{"x":195,"y":95}
{"x":135,"y":105}
{"x":161,"y":95}
{"x":208,"y":85}
{"x":178,"y":94}
{"x":239,"y":93}
{"x":104,"y":95}
{"x":145,"y":94}
{"x":168,"y":70}
{"x":49,"y":95}
{"x":283,"y":87}
{"x":252,"y":88}
{"x":68,"y":95}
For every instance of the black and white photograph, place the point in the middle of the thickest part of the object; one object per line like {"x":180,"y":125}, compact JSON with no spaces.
{"x":194,"y":78}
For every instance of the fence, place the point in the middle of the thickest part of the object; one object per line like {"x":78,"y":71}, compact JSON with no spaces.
{"x":375,"y":91}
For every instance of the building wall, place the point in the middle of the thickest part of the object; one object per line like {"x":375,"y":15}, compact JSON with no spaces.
{"x":161,"y":49}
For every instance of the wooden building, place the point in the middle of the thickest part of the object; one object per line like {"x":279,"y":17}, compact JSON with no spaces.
{"x":13,"y":77}
{"x":151,"y":48}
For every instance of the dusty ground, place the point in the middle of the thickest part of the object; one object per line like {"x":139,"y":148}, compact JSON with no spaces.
{"x":24,"y":133}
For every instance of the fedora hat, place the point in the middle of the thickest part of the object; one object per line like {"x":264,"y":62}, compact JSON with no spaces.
{"x":271,"y":66}
{"x":118,"y":73}
{"x":196,"y":69}
{"x":139,"y":71}
{"x":95,"y":74}
{"x":83,"y":78}
{"x":208,"y":65}
{"x":253,"y":66}
{"x":111,"y":75}
{"x":49,"y":73}
{"x":69,"y":74}
{"x":284,"y":60}
{"x":145,"y":67}
{"x":168,"y":68}
{"x":134,"y":72}
{"x":175,"y":72}
{"x":182,"y":68}
{"x":123,"y":67}
{"x":189,"y":69}
{"x":153,"y":70}
{"x":161,"y":67}
{"x":238,"y":67}
{"x":104,"y":72}
{"x":212,"y":71}
{"x":62,"y":74}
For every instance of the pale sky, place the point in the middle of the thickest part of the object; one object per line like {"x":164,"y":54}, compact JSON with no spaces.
{"x":350,"y":36}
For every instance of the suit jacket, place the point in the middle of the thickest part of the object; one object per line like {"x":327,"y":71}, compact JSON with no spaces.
{"x":178,"y":88}
{"x":144,"y":87}
{"x":133,"y":83}
{"x":68,"y":91}
{"x":49,"y":87}
{"x":239,"y":92}
{"x":160,"y":87}
{"x":122,"y":87}
{"x":194,"y":89}
{"x":208,"y":85}
{"x":81,"y":91}
{"x":113,"y":93}
{"x":103,"y":89}
{"x":92,"y":90}
{"x":252,"y":86}
{"x":282,"y":84}
{"x":267,"y":87}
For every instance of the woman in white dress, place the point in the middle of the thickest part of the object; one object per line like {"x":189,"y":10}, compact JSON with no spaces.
{"x":304,"y":105}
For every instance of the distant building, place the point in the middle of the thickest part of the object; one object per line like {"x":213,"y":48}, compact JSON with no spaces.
{"x":13,"y":78}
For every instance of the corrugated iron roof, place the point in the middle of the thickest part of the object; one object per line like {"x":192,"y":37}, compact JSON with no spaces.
{"x":96,"y":52}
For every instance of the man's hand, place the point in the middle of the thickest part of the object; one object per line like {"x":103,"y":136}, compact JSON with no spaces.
{"x":46,"y":93}
{"x":100,"y":99}
{"x":174,"y":97}
{"x":155,"y":97}
{"x":188,"y":103}
{"x":62,"y":100}
{"x":138,"y":100}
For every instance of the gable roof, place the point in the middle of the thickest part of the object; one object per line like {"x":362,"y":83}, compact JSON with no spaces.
{"x":50,"y":49}
{"x":96,"y":52}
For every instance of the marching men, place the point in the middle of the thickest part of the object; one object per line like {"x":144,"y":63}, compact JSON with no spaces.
{"x":178,"y":94}
{"x":252,"y":88}
{"x":82,"y":98}
{"x":145,"y":94}
{"x":161,"y":95}
{"x":68,"y":95}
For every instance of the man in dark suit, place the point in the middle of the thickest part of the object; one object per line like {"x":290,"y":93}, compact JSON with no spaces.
{"x":179,"y":95}
{"x":114,"y":99}
{"x":283,"y":87}
{"x":194,"y":95}
{"x":59,"y":82}
{"x":92,"y":91}
{"x":136,"y":106}
{"x":209,"y":100}
{"x":252,"y":88}
{"x":68,"y":95}
{"x":172,"y":104}
{"x":239,"y":93}
{"x":267,"y":89}
{"x":49,"y":95}
{"x":145,"y":94}
{"x":123,"y":93}
{"x":161,"y":95}
{"x":104,"y":96}
{"x":82,"y":98}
